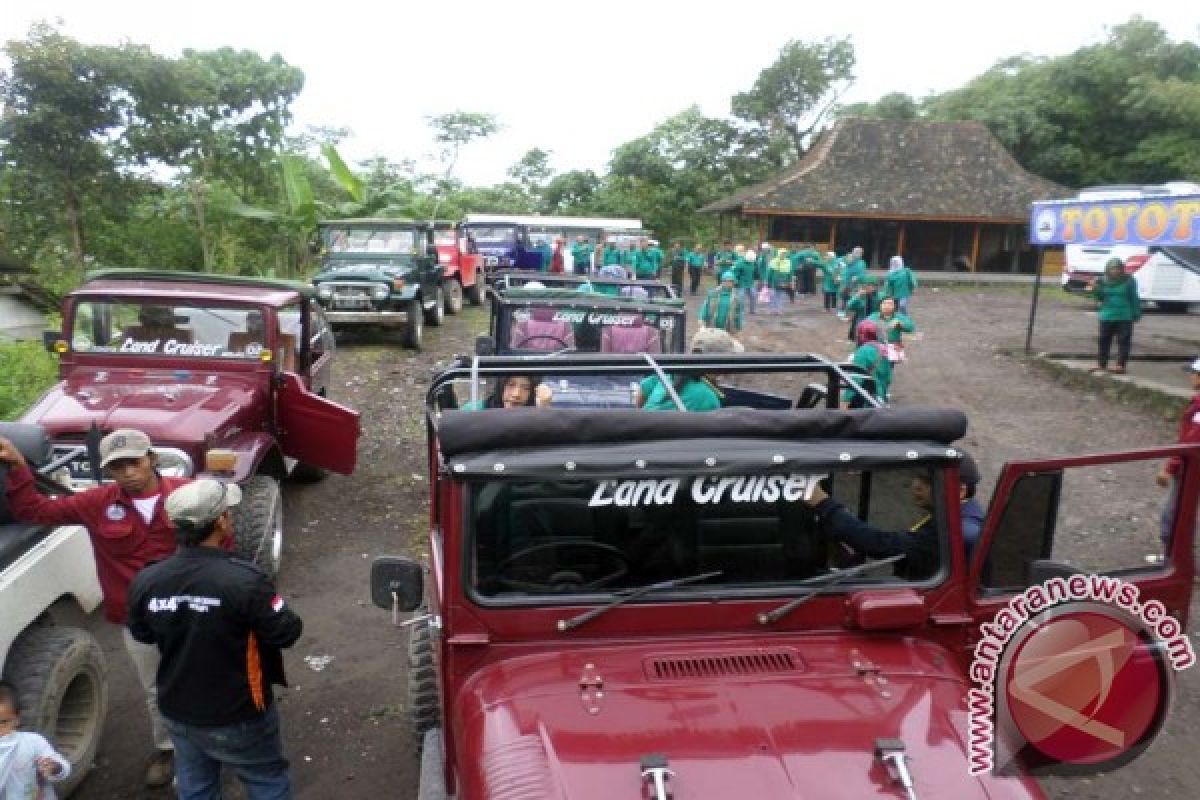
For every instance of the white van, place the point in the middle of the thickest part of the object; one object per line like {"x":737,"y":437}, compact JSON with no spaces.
{"x":1168,"y":284}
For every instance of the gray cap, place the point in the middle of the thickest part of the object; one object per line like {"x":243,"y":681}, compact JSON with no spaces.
{"x":200,"y":502}
{"x":123,"y":443}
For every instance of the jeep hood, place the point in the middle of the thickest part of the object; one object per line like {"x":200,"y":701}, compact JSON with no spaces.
{"x":775,"y":718}
{"x":172,"y":407}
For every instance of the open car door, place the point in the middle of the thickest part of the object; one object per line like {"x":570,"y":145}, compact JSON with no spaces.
{"x":1074,"y":555}
{"x":314,"y":430}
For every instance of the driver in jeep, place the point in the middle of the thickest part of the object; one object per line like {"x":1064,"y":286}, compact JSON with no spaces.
{"x":129,"y":529}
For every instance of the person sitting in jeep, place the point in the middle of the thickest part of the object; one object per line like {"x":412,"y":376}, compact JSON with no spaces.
{"x":156,"y":322}
{"x":696,"y":393}
{"x":128,"y":529}
{"x":514,"y":391}
{"x":919,"y":544}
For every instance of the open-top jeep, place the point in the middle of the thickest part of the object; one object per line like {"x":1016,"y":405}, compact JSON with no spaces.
{"x":381,"y":272}
{"x":504,"y":280}
{"x":626,"y":604}
{"x":462,"y":266}
{"x":225,"y":375}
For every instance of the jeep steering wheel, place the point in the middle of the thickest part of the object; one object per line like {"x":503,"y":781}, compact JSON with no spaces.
{"x":549,"y":336}
{"x":565,"y":579}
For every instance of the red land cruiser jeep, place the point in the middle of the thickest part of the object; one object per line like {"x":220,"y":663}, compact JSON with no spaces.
{"x":462,"y":266}
{"x":633,"y":604}
{"x":226,"y":375}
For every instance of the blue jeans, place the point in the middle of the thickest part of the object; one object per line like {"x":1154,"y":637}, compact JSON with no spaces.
{"x":253,"y":749}
{"x":750,"y":297}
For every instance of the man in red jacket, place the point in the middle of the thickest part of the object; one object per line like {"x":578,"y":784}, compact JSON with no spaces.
{"x":1189,"y":433}
{"x":129,"y":529}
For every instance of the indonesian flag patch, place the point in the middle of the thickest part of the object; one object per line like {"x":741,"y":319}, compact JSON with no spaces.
{"x":277,"y":603}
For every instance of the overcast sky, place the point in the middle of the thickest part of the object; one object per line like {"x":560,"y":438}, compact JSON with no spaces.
{"x":577,"y":77}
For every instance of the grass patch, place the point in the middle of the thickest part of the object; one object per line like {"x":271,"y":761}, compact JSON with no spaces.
{"x":26,"y":370}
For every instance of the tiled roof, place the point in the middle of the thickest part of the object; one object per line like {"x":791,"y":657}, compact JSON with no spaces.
{"x":891,"y":169}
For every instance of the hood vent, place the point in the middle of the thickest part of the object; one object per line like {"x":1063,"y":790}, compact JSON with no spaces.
{"x":722,"y":665}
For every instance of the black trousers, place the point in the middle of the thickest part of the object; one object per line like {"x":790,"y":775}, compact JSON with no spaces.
{"x":1122,"y":331}
{"x":830,"y":300}
{"x":694,"y":273}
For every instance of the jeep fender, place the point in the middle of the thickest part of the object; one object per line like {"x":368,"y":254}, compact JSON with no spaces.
{"x":61,"y":565}
{"x":256,"y":453}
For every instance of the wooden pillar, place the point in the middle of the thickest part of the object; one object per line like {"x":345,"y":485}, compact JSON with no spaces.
{"x":833,"y":235}
{"x":975,"y":247}
{"x":900,"y":240}
{"x":1012,"y":239}
{"x":762,"y":229}
{"x":948,"y":261}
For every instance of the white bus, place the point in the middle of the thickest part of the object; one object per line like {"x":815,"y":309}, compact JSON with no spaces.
{"x":1165,"y":276}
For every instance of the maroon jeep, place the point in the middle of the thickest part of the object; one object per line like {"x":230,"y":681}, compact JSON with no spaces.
{"x":633,"y":604}
{"x":226,"y":375}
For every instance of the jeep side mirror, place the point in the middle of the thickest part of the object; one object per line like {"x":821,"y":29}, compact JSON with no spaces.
{"x":485,"y":346}
{"x":50,"y":339}
{"x":397,"y":583}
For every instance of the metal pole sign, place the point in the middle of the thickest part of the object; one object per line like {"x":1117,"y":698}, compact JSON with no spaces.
{"x":1163,"y":221}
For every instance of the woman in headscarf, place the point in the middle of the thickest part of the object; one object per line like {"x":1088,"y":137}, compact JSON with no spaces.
{"x":1120,"y":307}
{"x":870,"y":355}
{"x":900,"y":283}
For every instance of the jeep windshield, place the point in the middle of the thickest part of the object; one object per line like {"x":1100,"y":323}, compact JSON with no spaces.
{"x":141,"y":328}
{"x":534,"y":539}
{"x":356,"y":241}
{"x":493,"y":236}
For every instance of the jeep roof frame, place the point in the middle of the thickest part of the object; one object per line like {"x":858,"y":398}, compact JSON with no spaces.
{"x":207,"y":278}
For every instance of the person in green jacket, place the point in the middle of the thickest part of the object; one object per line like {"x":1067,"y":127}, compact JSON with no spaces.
{"x":726,"y":257}
{"x":870,"y":354}
{"x":779,"y":279}
{"x":612,"y":255}
{"x":655,"y":256}
{"x":899,"y":283}
{"x":745,"y":271}
{"x":696,"y":258}
{"x":805,"y":263}
{"x":863,"y":303}
{"x":722,"y":306}
{"x":892,"y":322}
{"x":1120,"y":308}
{"x":831,"y":273}
{"x":696,"y":393}
{"x":852,"y":275}
{"x":581,"y":253}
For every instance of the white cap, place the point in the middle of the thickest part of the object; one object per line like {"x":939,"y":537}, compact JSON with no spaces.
{"x":1195,"y":366}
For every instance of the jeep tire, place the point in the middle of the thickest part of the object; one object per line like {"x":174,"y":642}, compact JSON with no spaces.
{"x":453,"y":292}
{"x":307,"y":473}
{"x":258,"y":524}
{"x":414,"y":326}
{"x":422,"y":711}
{"x":436,"y":312}
{"x":474,"y":292}
{"x":61,"y":680}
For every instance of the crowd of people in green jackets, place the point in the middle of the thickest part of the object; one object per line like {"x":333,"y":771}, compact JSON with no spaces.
{"x":753,"y":280}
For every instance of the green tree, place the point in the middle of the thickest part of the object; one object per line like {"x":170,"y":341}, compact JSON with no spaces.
{"x":452,"y":132}
{"x":892,"y":106}
{"x":60,"y":101}
{"x":795,"y":94}
{"x":531,"y":172}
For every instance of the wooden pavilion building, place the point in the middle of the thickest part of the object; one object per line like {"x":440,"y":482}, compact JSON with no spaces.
{"x":945,"y":195}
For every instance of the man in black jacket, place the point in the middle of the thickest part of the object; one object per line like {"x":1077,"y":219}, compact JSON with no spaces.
{"x":219,"y":625}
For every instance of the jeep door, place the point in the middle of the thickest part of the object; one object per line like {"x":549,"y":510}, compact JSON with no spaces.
{"x":313,"y":429}
{"x":319,"y":346}
{"x":1045,"y":521}
{"x":429,"y":268}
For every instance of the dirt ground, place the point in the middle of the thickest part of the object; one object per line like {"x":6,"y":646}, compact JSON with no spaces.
{"x":341,"y":715}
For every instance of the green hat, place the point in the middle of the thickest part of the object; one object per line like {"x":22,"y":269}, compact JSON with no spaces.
{"x":727,"y":275}
{"x":870,"y":280}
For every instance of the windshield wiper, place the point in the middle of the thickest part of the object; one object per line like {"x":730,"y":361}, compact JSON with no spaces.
{"x":822,"y":582}
{"x":631,"y":595}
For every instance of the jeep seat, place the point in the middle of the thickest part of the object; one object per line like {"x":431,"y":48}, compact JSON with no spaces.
{"x":542,"y":332}
{"x":638,"y":338}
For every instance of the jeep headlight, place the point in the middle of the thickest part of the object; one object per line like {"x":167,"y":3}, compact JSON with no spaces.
{"x":174,"y":463}
{"x":324,"y":291}
{"x":380,"y":292}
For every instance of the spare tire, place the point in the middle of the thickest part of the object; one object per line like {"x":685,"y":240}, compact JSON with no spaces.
{"x":258,"y":524}
{"x":61,"y":679}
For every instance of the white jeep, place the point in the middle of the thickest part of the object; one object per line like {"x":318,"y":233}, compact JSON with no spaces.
{"x":47,"y":578}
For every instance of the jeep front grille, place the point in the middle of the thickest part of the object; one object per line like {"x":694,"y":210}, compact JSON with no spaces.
{"x":722,"y":665}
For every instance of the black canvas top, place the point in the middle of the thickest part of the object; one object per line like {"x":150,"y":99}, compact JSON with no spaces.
{"x":492,"y":430}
